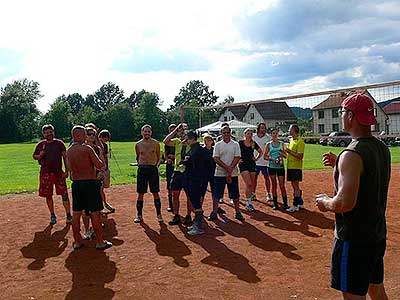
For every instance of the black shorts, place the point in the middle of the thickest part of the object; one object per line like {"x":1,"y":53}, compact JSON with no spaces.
{"x":209,"y":180}
{"x":147,"y":176}
{"x":86,"y":196}
{"x":277,"y":171}
{"x":169,"y":170}
{"x":219,"y":188}
{"x":355,"y":265}
{"x":249,"y":166}
{"x":294,"y":175}
{"x":177,"y":181}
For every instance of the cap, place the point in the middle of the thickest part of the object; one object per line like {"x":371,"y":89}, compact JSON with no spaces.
{"x":192,"y":134}
{"x":363,"y":108}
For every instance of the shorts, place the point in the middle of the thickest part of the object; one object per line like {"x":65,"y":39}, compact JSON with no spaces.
{"x":177,"y":181}
{"x":106,"y":179}
{"x":277,"y":171}
{"x":210,"y":179}
{"x":219,"y":188}
{"x":86,"y":196}
{"x":262,"y":169}
{"x":357,"y":264}
{"x":294,"y":175}
{"x":169,"y":170}
{"x":249,"y":166}
{"x":47,"y":180}
{"x":147,"y":177}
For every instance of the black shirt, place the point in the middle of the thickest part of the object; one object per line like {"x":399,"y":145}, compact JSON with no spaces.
{"x":248,"y":152}
{"x":195,"y":166}
{"x":367,"y":221}
{"x":209,"y":161}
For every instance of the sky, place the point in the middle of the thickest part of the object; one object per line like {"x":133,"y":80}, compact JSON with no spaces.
{"x":248,"y":49}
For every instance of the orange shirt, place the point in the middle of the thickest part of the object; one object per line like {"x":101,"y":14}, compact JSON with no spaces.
{"x":82,"y":162}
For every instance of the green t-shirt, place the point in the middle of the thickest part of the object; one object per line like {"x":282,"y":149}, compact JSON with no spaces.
{"x":178,"y":154}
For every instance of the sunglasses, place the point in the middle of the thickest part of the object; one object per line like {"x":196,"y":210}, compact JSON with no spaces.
{"x":91,"y":134}
{"x":227,"y":132}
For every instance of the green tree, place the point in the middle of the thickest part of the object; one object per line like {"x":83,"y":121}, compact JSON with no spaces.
{"x":106,"y":96}
{"x":135,"y":98}
{"x":228,"y":99}
{"x":85,"y":115}
{"x":18,"y":112}
{"x":121,"y":122}
{"x":60,"y":116}
{"x":76,"y":102}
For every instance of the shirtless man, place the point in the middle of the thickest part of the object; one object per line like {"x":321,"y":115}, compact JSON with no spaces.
{"x":82,"y":164}
{"x":148,"y":158}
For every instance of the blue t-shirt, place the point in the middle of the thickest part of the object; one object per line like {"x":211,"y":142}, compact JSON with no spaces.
{"x":274,"y":153}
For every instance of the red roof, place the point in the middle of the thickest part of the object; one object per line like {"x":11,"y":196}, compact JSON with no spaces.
{"x":392,"y":108}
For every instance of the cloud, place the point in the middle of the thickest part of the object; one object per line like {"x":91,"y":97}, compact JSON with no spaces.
{"x":10,"y":62}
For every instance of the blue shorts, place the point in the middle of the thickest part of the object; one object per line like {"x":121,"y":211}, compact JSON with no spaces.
{"x":262,"y":169}
{"x":219,"y":188}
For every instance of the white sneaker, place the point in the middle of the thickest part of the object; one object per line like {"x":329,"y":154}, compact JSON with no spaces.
{"x":160,"y":218}
{"x":221,"y":200}
{"x":269,"y":198}
{"x":293,"y":209}
{"x":231,"y":201}
{"x":138,"y":219}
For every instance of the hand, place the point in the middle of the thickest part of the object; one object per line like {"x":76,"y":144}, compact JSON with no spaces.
{"x":329,"y":159}
{"x":169,"y":161}
{"x":321,"y":205}
{"x":240,"y":161}
{"x":229,"y":170}
{"x":42,"y":153}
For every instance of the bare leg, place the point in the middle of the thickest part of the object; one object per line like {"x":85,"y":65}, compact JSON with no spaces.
{"x":76,"y":226}
{"x":50,"y":204}
{"x":85,"y":220}
{"x":274,"y":185}
{"x":347,"y":296}
{"x":255,"y":183}
{"x":377,"y":292}
{"x":282,"y":185}
{"x":66,"y":204}
{"x":96,"y":223}
{"x":267,"y":183}
{"x":249,"y":186}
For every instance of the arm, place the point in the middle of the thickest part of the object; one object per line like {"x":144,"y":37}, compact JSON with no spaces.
{"x":220,"y":163}
{"x":38,"y":155}
{"x":158,"y":153}
{"x":102,"y":158}
{"x":137,"y":151}
{"x":98,"y":163}
{"x":170,"y":136}
{"x":259,"y":150}
{"x":266,"y":155}
{"x":350,"y":169}
{"x":295,"y":154}
{"x":65,"y":159}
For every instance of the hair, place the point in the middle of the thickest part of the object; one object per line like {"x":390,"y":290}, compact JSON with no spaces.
{"x":247,"y":130}
{"x":171,"y":126}
{"x":77,"y":128}
{"x":146,"y":126}
{"x":295,"y":127}
{"x":192,"y":134}
{"x":273,"y":129}
{"x":209,"y":137}
{"x":224,"y":124}
{"x":225,"y":127}
{"x":88,"y":129}
{"x":259,"y":126}
{"x":104,"y":133}
{"x":47,"y":127}
{"x":90,"y":125}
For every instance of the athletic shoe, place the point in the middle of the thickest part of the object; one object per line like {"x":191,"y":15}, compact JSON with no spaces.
{"x":160,"y":218}
{"x":138,"y":219}
{"x":231,"y":202}
{"x":68,"y":219}
{"x":275,"y":207}
{"x":285,"y":206}
{"x":53,"y":219}
{"x":293,"y":209}
{"x":176,"y":220}
{"x":220,"y":211}
{"x":239,"y":216}
{"x":253,"y":197}
{"x":169,"y":209}
{"x":110,"y":208}
{"x":213,"y":217}
{"x":250,"y":207}
{"x":269,"y":198}
{"x":77,"y":246}
{"x":87,"y":235}
{"x":105,"y":246}
{"x":221,"y":200}
{"x":194,"y":230}
{"x":187,"y":220}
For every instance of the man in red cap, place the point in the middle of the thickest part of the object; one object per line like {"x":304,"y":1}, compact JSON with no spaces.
{"x":361,"y":174}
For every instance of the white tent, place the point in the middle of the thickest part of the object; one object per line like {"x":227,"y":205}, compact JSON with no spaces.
{"x":237,"y":127}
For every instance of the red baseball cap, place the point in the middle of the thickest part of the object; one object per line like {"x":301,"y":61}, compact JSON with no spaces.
{"x":363,"y":108}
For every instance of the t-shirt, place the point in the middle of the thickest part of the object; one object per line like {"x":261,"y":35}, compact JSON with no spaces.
{"x":262,"y":142}
{"x":296,"y":146}
{"x":51,"y":162}
{"x":248,"y":151}
{"x":226,"y":152}
{"x":179,"y":150}
{"x":209,"y":161}
{"x":274,"y":153}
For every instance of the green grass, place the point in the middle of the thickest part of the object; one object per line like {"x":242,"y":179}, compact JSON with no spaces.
{"x":20,"y":173}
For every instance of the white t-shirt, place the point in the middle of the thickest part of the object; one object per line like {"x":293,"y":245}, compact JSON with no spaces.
{"x":262,"y":141}
{"x":226,"y":152}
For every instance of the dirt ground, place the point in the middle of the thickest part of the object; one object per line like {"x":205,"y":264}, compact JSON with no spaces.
{"x":272,"y":255}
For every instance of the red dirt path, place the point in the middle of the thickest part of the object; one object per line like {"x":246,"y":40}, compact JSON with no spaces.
{"x":273,"y":255}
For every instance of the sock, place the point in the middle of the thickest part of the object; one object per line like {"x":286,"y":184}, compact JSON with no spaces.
{"x":53,"y":214}
{"x":170,"y":201}
{"x":157,"y":205}
{"x":198,"y":218}
{"x":296,"y":201}
{"x":69,"y":215}
{"x":284,"y":200}
{"x":275,"y":199}
{"x":139,"y":207}
{"x":248,"y":200}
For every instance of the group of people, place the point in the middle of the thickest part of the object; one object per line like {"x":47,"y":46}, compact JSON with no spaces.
{"x":361,"y":177}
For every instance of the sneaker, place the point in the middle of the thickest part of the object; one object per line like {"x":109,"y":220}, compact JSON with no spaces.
{"x":231,"y":202}
{"x":253,"y":197}
{"x":138,"y":219}
{"x":68,"y":219}
{"x":239,"y":216}
{"x":301,"y":206}
{"x":169,"y":209}
{"x":77,"y":246}
{"x":187,"y":220}
{"x":160,"y":218}
{"x":293,"y":209}
{"x":213,"y":217}
{"x":250,"y":206}
{"x":285,"y":206}
{"x":105,"y":246}
{"x":194,"y":230}
{"x":221,"y":200}
{"x":110,"y":208}
{"x":87,"y":235}
{"x":275,"y":207}
{"x":175,"y":220}
{"x":269,"y":198}
{"x":220,"y":211}
{"x":53,"y":219}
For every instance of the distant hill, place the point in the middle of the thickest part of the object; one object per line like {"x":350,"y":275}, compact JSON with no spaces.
{"x":384,"y":103}
{"x":302,"y":113}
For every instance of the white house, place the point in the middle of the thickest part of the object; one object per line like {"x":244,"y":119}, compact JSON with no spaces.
{"x":393,"y":112}
{"x":233,"y":113}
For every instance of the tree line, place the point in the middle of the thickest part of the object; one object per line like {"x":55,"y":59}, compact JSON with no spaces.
{"x":107,"y":107}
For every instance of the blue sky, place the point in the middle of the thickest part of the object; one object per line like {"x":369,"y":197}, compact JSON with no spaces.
{"x":248,"y":49}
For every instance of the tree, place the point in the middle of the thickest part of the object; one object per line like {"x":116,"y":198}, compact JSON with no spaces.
{"x":195,"y":90}
{"x":76,"y":102}
{"x":106,"y":96}
{"x":85,"y":115}
{"x":60,"y":116}
{"x":135,"y":98}
{"x":18,"y":112}
{"x":228,"y":99}
{"x":121,"y":122}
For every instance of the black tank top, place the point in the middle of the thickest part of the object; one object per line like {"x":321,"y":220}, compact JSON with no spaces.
{"x":367,"y":221}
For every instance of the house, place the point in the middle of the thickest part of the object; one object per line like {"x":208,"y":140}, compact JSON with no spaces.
{"x":326,"y":116}
{"x":233,"y":113}
{"x":393,"y":111}
{"x":273,"y":114}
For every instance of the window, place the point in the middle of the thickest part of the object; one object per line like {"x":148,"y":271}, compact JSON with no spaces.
{"x":335,"y":114}
{"x":375,"y":112}
{"x":335,"y":127}
{"x":232,"y":118}
{"x":252,"y":116}
{"x":376,"y":127}
{"x":225,"y":118}
{"x":321,"y":128}
{"x":320,"y":114}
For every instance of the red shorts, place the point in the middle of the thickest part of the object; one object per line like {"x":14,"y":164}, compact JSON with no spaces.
{"x":47,"y":180}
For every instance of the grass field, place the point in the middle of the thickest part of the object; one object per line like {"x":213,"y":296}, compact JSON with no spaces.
{"x":19,"y":172}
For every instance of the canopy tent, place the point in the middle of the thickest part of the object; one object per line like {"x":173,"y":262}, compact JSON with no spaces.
{"x":237,"y":127}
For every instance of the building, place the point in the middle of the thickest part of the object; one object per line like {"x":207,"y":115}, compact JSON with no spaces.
{"x":393,"y":111}
{"x":273,"y":114}
{"x":326,"y":117}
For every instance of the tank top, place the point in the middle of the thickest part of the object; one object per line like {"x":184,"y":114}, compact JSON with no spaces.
{"x":274,"y":154}
{"x":367,"y":221}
